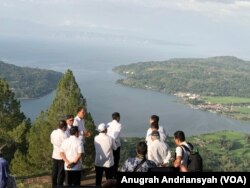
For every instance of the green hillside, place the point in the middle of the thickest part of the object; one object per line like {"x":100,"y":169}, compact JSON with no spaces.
{"x":222,"y":151}
{"x":29,"y":82}
{"x":218,"y":76}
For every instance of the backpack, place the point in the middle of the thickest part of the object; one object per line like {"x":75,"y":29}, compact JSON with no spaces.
{"x":195,"y":162}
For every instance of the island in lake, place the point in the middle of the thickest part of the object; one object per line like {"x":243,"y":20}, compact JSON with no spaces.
{"x":217,"y":84}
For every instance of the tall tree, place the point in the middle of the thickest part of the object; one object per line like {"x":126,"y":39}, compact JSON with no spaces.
{"x":13,"y":123}
{"x":68,"y":98}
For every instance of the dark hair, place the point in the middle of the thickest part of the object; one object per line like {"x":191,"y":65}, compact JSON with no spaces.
{"x":155,"y":118}
{"x":116,"y":115}
{"x":155,"y":125}
{"x":142,"y":148}
{"x":155,"y":133}
{"x":179,"y":135}
{"x":69,"y":116}
{"x":81,"y":108}
{"x":73,"y":130}
{"x":62,"y":124}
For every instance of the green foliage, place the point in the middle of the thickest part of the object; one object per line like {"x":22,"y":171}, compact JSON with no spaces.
{"x":219,"y":76}
{"x":20,"y":165}
{"x":89,"y":144}
{"x":10,"y":115}
{"x":13,"y":123}
{"x":68,"y":98}
{"x":29,"y":82}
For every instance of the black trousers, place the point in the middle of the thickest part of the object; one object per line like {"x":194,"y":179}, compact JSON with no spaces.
{"x":73,"y":177}
{"x":99,"y":173}
{"x":116,"y":154}
{"x":58,"y":172}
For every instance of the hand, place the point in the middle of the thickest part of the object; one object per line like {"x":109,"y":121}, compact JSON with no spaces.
{"x":71,"y":165}
{"x":87,"y":134}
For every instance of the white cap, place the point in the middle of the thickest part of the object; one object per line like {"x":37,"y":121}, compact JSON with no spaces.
{"x":102,"y":127}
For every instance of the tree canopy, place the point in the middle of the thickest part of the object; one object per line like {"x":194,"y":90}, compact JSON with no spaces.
{"x":68,"y":98}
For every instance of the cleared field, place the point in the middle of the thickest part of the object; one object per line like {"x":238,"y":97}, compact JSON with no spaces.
{"x":226,"y":100}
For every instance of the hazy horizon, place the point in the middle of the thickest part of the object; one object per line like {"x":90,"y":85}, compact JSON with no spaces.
{"x":204,"y":28}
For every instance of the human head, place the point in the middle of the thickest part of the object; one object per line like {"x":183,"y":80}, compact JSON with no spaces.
{"x":116,"y":116}
{"x":154,"y":125}
{"x":179,"y":137}
{"x":62,"y":125}
{"x":154,"y":118}
{"x":102,"y":128}
{"x":155,"y":135}
{"x":141,"y":148}
{"x":69,"y":119}
{"x":81,"y":111}
{"x":74,"y":131}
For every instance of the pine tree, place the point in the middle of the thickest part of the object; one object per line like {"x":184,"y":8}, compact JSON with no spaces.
{"x":13,"y":124}
{"x":68,"y":98}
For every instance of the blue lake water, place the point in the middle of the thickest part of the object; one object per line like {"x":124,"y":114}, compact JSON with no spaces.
{"x":92,"y":65}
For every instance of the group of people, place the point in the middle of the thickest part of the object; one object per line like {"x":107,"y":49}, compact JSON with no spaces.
{"x":68,"y":149}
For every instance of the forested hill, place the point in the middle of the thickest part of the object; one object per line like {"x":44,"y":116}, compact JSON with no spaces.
{"x":29,"y":82}
{"x":221,"y":76}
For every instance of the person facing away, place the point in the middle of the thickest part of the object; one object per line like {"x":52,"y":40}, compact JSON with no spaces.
{"x":139,"y":163}
{"x":4,"y":172}
{"x":71,"y":152}
{"x":154,"y":125}
{"x":182,"y":155}
{"x":69,"y":121}
{"x":158,"y":151}
{"x":104,"y":160}
{"x":80,"y":123}
{"x":57,"y":137}
{"x":114,"y":130}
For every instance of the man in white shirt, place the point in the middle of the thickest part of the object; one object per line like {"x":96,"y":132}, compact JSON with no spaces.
{"x":154,"y":125}
{"x":57,"y":137}
{"x":69,"y":121}
{"x":80,"y":123}
{"x":71,"y":152}
{"x":158,"y":151}
{"x":104,"y":160}
{"x":114,"y":130}
{"x":181,"y":154}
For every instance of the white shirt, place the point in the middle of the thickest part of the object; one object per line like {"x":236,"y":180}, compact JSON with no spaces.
{"x":104,"y":146}
{"x":67,"y":131}
{"x":159,"y":152}
{"x":57,"y":137}
{"x":114,"y":130}
{"x":179,"y":153}
{"x":81,"y":127}
{"x":162,"y":132}
{"x":71,"y":147}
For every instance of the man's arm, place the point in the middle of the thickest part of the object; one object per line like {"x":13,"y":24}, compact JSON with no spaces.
{"x":62,"y":154}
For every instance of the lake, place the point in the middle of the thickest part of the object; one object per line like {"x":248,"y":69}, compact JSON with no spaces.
{"x":92,"y":63}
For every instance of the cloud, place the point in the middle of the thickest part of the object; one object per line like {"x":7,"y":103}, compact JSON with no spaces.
{"x":217,"y":10}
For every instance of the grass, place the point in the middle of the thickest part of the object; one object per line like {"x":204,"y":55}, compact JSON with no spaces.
{"x":243,"y":110}
{"x":226,"y":100}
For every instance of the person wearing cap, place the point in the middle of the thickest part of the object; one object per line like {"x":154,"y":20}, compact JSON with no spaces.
{"x":71,"y":152}
{"x":69,"y":121}
{"x":114,"y":130}
{"x":158,"y":151}
{"x":154,"y":125}
{"x":104,"y":160}
{"x":57,"y":137}
{"x":139,"y":163}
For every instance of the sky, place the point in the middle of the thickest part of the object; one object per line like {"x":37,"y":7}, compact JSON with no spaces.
{"x":216,"y":26}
